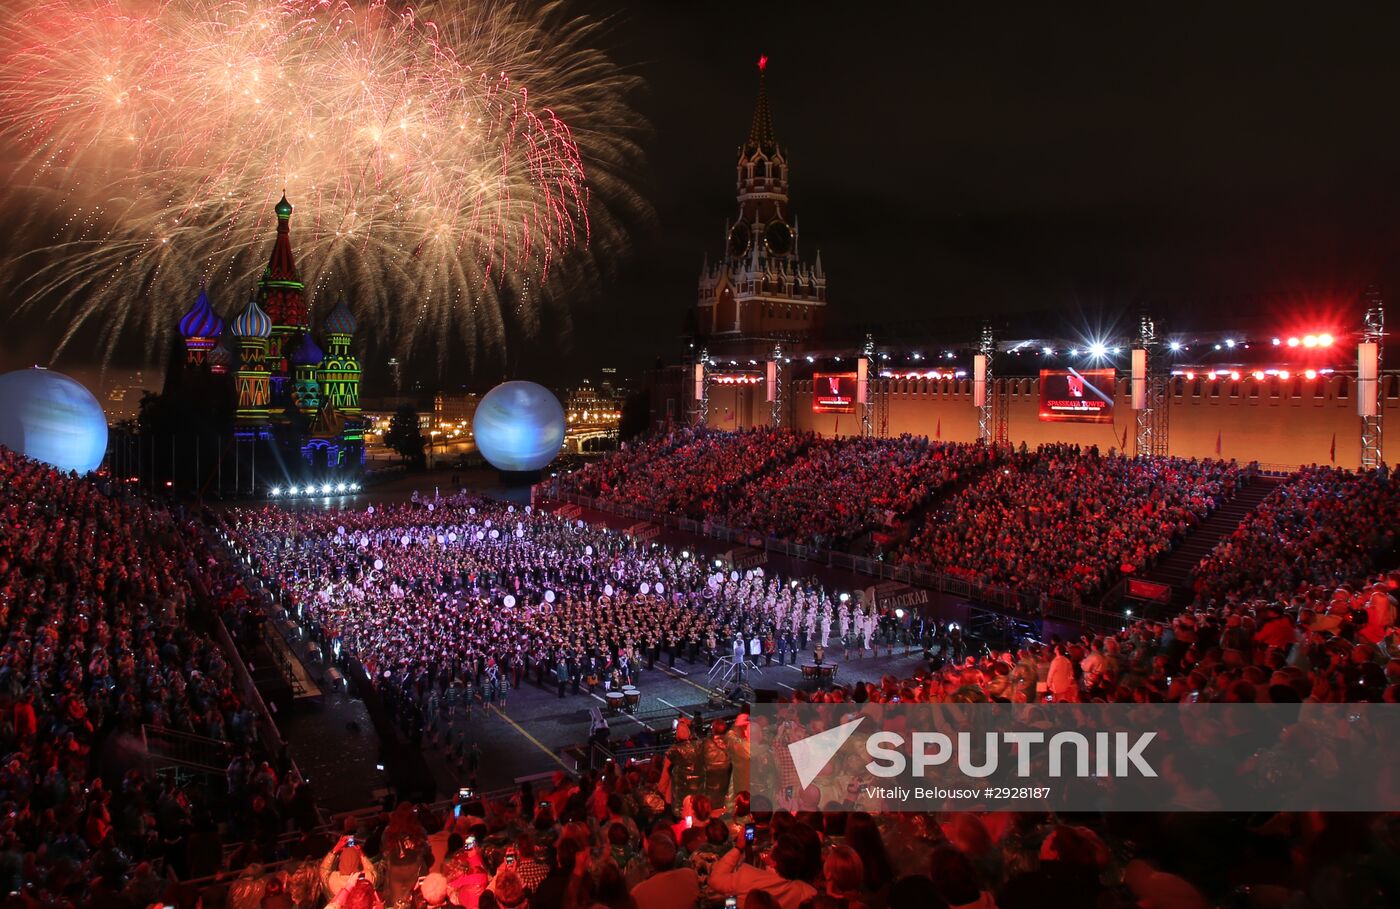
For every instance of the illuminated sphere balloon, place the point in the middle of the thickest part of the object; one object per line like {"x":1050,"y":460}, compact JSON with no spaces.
{"x":49,"y":417}
{"x":519,"y":426}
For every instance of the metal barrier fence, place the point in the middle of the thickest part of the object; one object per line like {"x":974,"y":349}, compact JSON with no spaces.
{"x":266,"y":731}
{"x":170,"y":747}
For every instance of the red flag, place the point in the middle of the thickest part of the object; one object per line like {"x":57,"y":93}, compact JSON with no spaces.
{"x":1217,"y":441}
{"x":1334,"y":448}
{"x":1125,"y":439}
{"x":938,"y":433}
{"x":836,"y":429}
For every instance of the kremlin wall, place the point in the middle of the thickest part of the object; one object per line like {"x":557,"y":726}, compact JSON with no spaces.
{"x":1281,"y":424}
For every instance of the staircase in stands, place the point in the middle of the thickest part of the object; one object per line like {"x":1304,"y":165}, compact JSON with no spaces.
{"x":1176,"y":569}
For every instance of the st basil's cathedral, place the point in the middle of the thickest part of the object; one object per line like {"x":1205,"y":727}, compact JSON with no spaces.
{"x":292,"y":389}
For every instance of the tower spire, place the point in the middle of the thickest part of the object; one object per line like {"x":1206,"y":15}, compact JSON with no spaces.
{"x":282,"y":265}
{"x":761,"y":134}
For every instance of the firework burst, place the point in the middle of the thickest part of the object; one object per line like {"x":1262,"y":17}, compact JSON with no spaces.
{"x":455,"y":167}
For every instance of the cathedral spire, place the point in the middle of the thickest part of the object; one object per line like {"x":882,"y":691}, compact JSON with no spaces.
{"x":282,"y":266}
{"x":761,"y":134}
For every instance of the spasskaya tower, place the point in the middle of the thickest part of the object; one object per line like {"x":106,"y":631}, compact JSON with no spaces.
{"x":761,"y":289}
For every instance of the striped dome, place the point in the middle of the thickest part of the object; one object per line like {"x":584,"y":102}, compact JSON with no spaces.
{"x":340,"y":321}
{"x":201,"y":321}
{"x":220,"y":356}
{"x":307,"y":352}
{"x":252,"y":322}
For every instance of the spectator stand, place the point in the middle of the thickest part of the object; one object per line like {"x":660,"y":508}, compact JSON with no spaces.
{"x":947,"y":473}
{"x":1005,"y":598}
{"x":268,"y":735}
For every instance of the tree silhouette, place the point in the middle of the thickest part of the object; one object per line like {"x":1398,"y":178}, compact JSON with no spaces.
{"x":403,"y":436}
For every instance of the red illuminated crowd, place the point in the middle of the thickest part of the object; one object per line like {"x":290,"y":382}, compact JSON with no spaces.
{"x":1320,"y":526}
{"x":95,"y":596}
{"x":1064,"y":520}
{"x":674,"y":833}
{"x":1061,"y":521}
{"x":100,"y":595}
{"x":838,"y":489}
{"x":691,"y":472}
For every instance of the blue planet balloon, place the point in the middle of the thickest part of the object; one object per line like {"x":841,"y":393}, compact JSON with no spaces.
{"x":519,"y":426}
{"x":49,"y":417}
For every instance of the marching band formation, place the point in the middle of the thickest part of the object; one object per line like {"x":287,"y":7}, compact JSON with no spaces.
{"x":462,"y":596}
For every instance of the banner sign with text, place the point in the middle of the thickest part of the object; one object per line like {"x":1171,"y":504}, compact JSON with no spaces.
{"x":834,"y":392}
{"x":1076,"y":395}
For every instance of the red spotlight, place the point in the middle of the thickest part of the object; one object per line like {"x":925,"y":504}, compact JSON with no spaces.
{"x":1283,"y":374}
{"x":1311,"y":373}
{"x":1310,"y":340}
{"x":1259,"y":375}
{"x":1234,"y":375}
{"x":1292,"y":342}
{"x":1325,"y":340}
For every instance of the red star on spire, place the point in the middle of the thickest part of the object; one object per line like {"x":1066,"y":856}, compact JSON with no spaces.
{"x":762,"y":62}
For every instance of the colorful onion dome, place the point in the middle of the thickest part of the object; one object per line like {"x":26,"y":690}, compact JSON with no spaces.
{"x":340,"y":321}
{"x":220,"y":356}
{"x":201,"y":321}
{"x":307,"y":352}
{"x":252,"y":322}
{"x":283,"y":208}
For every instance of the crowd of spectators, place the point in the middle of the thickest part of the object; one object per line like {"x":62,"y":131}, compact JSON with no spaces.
{"x":1064,"y":521}
{"x":95,"y":605}
{"x":840,"y":488}
{"x":683,"y":831}
{"x":1060,"y":521}
{"x":1319,"y":526}
{"x":694,"y":472}
{"x":98,"y":592}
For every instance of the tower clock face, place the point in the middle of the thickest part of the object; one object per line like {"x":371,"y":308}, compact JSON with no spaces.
{"x":739,"y":239}
{"x":778,"y":238}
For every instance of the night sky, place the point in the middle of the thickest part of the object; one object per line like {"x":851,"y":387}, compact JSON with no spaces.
{"x":1218,"y":163}
{"x":1236,"y":158}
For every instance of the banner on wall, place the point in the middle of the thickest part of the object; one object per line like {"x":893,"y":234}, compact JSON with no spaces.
{"x":1368,"y":364}
{"x":1076,"y":395}
{"x":1139,"y":379}
{"x":834,"y":392}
